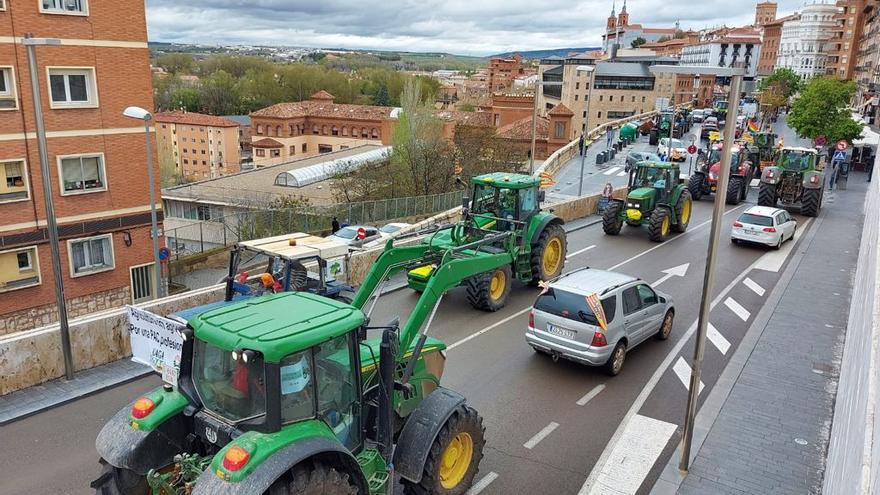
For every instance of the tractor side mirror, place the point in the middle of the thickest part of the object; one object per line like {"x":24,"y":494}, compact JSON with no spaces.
{"x":541,"y":195}
{"x":465,"y":202}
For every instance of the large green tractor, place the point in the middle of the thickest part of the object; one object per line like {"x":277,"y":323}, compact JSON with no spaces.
{"x":298,"y":393}
{"x":657,"y":198}
{"x":795,"y":180}
{"x":535,"y":243}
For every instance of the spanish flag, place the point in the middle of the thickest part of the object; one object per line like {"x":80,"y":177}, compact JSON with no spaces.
{"x":753,"y":126}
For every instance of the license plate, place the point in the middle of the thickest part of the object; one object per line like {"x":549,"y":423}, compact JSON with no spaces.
{"x":562,"y":332}
{"x":751,"y":232}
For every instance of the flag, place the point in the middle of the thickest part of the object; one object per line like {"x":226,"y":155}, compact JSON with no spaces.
{"x":596,"y":307}
{"x":753,"y":126}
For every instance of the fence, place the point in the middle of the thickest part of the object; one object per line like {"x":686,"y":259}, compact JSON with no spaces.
{"x":185,"y":237}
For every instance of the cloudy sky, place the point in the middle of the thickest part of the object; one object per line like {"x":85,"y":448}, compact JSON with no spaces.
{"x":470,"y":27}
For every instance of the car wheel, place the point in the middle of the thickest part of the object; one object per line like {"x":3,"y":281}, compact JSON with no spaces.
{"x":778,"y":243}
{"x":666,"y":326}
{"x":615,"y":361}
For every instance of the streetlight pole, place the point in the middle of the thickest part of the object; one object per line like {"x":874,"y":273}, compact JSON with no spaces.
{"x":31,"y":44}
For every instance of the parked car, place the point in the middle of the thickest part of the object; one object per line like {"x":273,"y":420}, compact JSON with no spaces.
{"x":634,"y":157}
{"x":676,"y":151}
{"x":562,"y":324}
{"x":764,"y":225}
{"x":349,"y":235}
{"x":710,"y":124}
{"x":390,"y":228}
{"x":698,"y":115}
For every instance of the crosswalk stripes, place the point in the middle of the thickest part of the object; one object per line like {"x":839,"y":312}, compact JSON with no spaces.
{"x":621,"y":174}
{"x":683,"y":371}
{"x":717,"y":339}
{"x":751,"y":284}
{"x":737,"y":308}
{"x":611,"y":171}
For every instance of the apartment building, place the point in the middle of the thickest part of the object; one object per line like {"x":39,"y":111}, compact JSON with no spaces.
{"x":771,"y":35}
{"x":97,"y":159}
{"x":199,"y":146}
{"x":503,"y":71}
{"x":805,"y":43}
{"x":843,"y":46}
{"x":867,"y":70}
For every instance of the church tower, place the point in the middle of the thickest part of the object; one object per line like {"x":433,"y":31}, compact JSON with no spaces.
{"x":623,"y":18}
{"x":612,"y":19}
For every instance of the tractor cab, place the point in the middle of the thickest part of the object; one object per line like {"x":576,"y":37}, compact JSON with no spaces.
{"x":658,"y":177}
{"x":798,"y":159}
{"x":503,"y":201}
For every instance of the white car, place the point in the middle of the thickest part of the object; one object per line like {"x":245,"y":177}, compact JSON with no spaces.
{"x":764,"y":225}
{"x":678,"y":151}
{"x":355,"y":235}
{"x":390,"y":228}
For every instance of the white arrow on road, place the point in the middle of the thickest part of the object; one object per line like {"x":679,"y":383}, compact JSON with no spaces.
{"x":676,"y":271}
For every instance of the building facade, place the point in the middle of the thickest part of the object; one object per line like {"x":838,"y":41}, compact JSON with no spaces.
{"x":198,"y":146}
{"x":843,"y":46}
{"x":771,"y":35}
{"x":619,"y":31}
{"x":503,"y":71}
{"x":765,"y":12}
{"x":867,"y":70}
{"x":805,"y":43}
{"x":97,"y":159}
{"x":736,"y":46}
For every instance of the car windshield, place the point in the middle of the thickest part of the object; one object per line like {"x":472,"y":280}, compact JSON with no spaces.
{"x":229,"y":388}
{"x":574,"y":306}
{"x":346,"y":233}
{"x":752,"y":219}
{"x":390,"y":229}
{"x":796,"y":160}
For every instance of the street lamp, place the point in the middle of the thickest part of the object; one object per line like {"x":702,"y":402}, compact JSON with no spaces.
{"x":538,"y":84}
{"x":141,"y":114}
{"x":736,"y":75}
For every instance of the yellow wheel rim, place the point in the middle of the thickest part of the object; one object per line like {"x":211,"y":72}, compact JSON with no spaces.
{"x":456,"y":460}
{"x":552,"y":256}
{"x":664,"y":227}
{"x":497,"y":285}
{"x":685,"y":212}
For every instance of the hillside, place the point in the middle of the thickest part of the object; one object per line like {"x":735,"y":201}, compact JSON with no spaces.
{"x":536,"y":54}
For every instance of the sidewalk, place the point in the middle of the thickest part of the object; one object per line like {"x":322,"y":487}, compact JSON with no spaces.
{"x":765,"y":427}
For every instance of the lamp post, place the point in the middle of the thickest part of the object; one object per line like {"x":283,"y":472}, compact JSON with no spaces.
{"x":31,"y":45}
{"x":538,"y":84}
{"x":145,"y":116}
{"x":590,"y":69}
{"x":736,"y":75}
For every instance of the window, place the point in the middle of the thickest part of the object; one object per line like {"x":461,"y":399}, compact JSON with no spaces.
{"x":575,"y":97}
{"x":574,"y":306}
{"x":560,"y":130}
{"x":334,"y":364}
{"x":325,"y":148}
{"x":275,"y":153}
{"x":600,"y":97}
{"x":8,"y":100}
{"x":142,"y":282}
{"x":69,"y":7}
{"x":631,"y":300}
{"x":90,"y":255}
{"x":15,"y":188}
{"x":646,"y":295}
{"x":292,"y":150}
{"x":577,"y":85}
{"x":82,"y":173}
{"x":600,"y":115}
{"x":72,"y":87}
{"x":19,"y":268}
{"x":24,"y":261}
{"x":261,"y":152}
{"x":305,"y":147}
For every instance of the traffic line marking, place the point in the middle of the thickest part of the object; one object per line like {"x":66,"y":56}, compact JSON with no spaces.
{"x":773,"y":260}
{"x":482,"y":484}
{"x":683,"y":371}
{"x":751,"y":284}
{"x":717,"y":339}
{"x":622,"y":174}
{"x":640,"y":445}
{"x":490,"y":327}
{"x":590,"y":395}
{"x":737,"y":308}
{"x":611,"y":171}
{"x":541,"y":435}
{"x":579,"y":251}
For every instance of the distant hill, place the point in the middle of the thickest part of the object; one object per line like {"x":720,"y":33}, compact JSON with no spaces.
{"x":534,"y":54}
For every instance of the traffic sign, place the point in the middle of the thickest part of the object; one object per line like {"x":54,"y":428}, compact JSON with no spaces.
{"x":820,"y":140}
{"x":362,"y":234}
{"x":692,"y":138}
{"x":839,"y":156}
{"x":164,"y":253}
{"x":842,"y":145}
{"x":692,"y":149}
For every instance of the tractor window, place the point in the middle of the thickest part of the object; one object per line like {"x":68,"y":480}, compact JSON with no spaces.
{"x":647,"y":176}
{"x":337,"y":389}
{"x":485,"y":199}
{"x":297,"y":387}
{"x":229,"y":388}
{"x":528,"y":202}
{"x":796,"y":160}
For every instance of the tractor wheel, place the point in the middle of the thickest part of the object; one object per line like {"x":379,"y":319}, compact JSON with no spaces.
{"x":734,"y":190}
{"x":313,"y":479}
{"x":489,"y":290}
{"x":695,"y":186}
{"x":811,"y":202}
{"x":454,"y":458}
{"x":119,"y":481}
{"x":611,"y":221}
{"x":659,"y":225}
{"x":548,"y":254}
{"x":767,"y":195}
{"x":683,"y":209}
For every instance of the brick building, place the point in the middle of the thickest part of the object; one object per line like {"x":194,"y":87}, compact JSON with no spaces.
{"x":771,"y":34}
{"x":199,"y":146}
{"x":765,"y":12}
{"x":97,"y":159}
{"x":844,"y":44}
{"x":502,"y":72}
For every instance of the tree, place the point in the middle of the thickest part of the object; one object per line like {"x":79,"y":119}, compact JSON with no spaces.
{"x":219,"y":94}
{"x":382,"y":98}
{"x":784,"y":79}
{"x":177,"y":63}
{"x":821,"y":110}
{"x":664,"y":38}
{"x":638,"y":42}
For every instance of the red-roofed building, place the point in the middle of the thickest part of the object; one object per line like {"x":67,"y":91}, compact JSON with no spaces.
{"x":199,"y":146}
{"x":619,"y":31}
{"x":502,"y":71}
{"x":551,"y":132}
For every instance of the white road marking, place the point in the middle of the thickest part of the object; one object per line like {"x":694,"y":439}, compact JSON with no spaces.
{"x":611,"y":171}
{"x":622,"y":174}
{"x":751,"y":284}
{"x":737,"y":308}
{"x":683,"y":371}
{"x":541,"y":435}
{"x":641,"y":443}
{"x":490,"y":327}
{"x":482,"y":484}
{"x":579,"y":251}
{"x":717,"y":339}
{"x":773,"y":260}
{"x":675,"y":271}
{"x":590,"y":395}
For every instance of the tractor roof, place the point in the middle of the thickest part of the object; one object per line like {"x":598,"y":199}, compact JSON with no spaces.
{"x":276,"y":325}
{"x":798,"y":148}
{"x":507,"y":181}
{"x":656,"y":164}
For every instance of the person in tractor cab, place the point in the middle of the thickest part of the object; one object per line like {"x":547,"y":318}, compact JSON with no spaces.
{"x":648,"y":176}
{"x":506,"y":209}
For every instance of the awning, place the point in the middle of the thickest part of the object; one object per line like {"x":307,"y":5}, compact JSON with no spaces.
{"x":869,"y":138}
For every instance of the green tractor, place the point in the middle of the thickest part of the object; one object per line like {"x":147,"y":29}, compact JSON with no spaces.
{"x":797,"y":179}
{"x":657,"y":197}
{"x":534,"y":243}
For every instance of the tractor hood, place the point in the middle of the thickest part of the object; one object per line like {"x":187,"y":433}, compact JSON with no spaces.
{"x":640,"y":194}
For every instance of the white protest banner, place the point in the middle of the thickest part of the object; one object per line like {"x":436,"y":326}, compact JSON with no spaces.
{"x":156,"y":342}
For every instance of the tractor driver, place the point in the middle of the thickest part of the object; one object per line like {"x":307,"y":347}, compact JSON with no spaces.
{"x":506,"y":208}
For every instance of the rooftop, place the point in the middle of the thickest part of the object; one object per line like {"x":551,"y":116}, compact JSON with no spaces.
{"x":321,"y":105}
{"x":560,"y":109}
{"x":193,"y":118}
{"x":475,"y":119}
{"x":591,"y":281}
{"x":624,"y":69}
{"x":522,"y":129}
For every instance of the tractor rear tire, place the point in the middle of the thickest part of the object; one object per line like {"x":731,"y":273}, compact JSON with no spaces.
{"x":683,"y":211}
{"x":734,"y":190}
{"x":119,"y":481}
{"x":811,"y":202}
{"x":484,"y":291}
{"x":313,"y":479}
{"x":659,"y":225}
{"x":464,"y":432}
{"x":695,"y":186}
{"x":548,"y":254}
{"x":611,"y":222}
{"x":767,"y":195}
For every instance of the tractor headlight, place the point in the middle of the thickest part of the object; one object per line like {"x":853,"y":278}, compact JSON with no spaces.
{"x":713,"y":175}
{"x":633,"y":205}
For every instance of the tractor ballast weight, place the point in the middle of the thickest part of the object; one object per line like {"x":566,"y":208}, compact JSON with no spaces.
{"x":796,"y":180}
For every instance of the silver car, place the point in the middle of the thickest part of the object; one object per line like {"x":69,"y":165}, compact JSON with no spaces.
{"x":562,"y":324}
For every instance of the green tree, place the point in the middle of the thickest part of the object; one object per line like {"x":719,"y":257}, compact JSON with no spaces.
{"x":783,"y":79}
{"x":219,"y":94}
{"x":382,"y":98}
{"x":821,"y":110}
{"x":186,"y":98}
{"x":177,"y":63}
{"x":638,"y":42}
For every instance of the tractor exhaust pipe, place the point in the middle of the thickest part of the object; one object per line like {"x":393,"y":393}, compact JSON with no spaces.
{"x":387,"y":364}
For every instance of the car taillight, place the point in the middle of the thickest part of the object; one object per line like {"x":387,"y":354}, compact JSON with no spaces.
{"x":235,"y":458}
{"x":770,"y":174}
{"x":142,"y":408}
{"x":737,"y":224}
{"x":531,"y":319}
{"x":772,"y":230}
{"x":599,"y":339}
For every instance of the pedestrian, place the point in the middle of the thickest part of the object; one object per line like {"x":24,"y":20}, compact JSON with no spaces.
{"x":581,"y":145}
{"x":832,"y":175}
{"x":334,"y":225}
{"x":609,"y":136}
